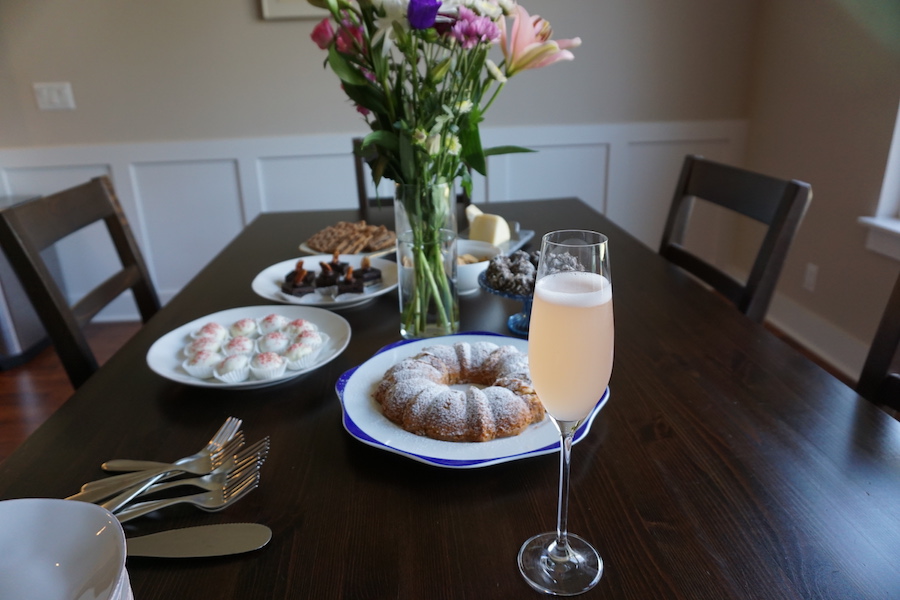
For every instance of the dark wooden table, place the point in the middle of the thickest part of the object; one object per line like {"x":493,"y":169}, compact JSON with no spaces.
{"x":725,"y":465}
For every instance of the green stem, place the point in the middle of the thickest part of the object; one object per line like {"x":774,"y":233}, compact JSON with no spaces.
{"x":429,"y":298}
{"x":493,"y":97}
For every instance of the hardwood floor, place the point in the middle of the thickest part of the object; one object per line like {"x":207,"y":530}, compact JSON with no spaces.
{"x":32,"y":392}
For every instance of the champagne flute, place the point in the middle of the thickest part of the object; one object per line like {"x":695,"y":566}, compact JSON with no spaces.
{"x":570,"y":353}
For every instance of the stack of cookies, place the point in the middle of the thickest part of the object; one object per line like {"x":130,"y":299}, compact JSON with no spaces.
{"x":352,"y":238}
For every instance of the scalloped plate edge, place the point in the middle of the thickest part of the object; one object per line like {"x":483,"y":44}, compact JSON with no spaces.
{"x":356,"y":431}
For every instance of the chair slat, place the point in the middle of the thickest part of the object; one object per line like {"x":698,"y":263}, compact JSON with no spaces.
{"x":27,"y":229}
{"x":98,"y":298}
{"x":779,"y":204}
{"x":878,"y":382}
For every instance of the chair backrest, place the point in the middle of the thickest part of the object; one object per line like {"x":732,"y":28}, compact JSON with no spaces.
{"x":27,"y":229}
{"x":780,"y":204}
{"x":880,"y":381}
{"x":363,"y":175}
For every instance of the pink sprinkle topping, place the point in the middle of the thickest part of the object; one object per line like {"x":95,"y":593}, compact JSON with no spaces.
{"x":203,"y":343}
{"x":233,"y":362}
{"x":204,"y":357}
{"x":212,"y":329}
{"x":268,"y":359}
{"x":239,"y":344}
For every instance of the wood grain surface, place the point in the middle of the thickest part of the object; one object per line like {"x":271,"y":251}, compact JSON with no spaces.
{"x":725,"y":465}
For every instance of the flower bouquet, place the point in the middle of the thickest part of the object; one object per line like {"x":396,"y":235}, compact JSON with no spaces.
{"x":419,"y":73}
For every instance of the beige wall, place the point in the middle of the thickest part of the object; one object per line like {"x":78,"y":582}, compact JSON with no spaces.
{"x":818,"y":79}
{"x":149,"y":70}
{"x":825,"y":100}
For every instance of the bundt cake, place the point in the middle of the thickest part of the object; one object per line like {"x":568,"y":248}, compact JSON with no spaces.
{"x":416,"y":394}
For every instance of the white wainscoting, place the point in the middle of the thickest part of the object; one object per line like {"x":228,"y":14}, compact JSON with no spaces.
{"x":187,"y":200}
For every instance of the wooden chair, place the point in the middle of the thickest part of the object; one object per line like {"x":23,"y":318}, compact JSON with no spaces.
{"x":777,"y":203}
{"x":878,"y":382}
{"x":367,"y":202}
{"x":28,"y":228}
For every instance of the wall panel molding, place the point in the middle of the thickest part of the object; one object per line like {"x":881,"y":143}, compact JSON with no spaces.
{"x":625,"y":170}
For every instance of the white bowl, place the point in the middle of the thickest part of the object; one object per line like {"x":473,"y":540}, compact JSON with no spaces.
{"x":467,"y":275}
{"x":60,"y":549}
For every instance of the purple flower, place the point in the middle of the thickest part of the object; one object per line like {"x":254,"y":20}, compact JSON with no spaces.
{"x":422,"y":13}
{"x":471,"y":29}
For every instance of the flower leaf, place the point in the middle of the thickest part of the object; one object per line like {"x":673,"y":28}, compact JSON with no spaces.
{"x":470,"y":138}
{"x":407,"y":159}
{"x":386,"y":139}
{"x":343,"y":69}
{"x":437,"y":73}
{"x":365,"y":96}
{"x":495,"y":150}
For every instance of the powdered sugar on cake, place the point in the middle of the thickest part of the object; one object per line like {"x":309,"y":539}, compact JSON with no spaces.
{"x":422,"y":394}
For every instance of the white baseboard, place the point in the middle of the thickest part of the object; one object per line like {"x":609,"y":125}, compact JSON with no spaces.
{"x":833,"y":345}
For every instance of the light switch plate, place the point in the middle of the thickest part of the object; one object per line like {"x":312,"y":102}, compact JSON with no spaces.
{"x":54,"y":96}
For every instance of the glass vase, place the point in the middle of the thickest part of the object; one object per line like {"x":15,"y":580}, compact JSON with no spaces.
{"x":425,"y":222}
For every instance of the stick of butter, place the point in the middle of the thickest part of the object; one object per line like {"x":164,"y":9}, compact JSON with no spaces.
{"x":492,"y":229}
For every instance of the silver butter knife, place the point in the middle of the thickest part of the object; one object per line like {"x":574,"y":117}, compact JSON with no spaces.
{"x":205,"y":540}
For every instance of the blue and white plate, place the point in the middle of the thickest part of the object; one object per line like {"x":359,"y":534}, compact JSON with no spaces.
{"x":364,"y":420}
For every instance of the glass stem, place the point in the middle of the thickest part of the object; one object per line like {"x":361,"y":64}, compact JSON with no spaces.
{"x":567,"y":432}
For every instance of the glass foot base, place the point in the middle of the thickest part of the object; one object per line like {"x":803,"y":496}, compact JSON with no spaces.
{"x":560,"y":572}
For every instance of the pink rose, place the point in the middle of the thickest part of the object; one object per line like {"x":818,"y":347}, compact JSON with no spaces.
{"x":323,"y":34}
{"x":350,"y":38}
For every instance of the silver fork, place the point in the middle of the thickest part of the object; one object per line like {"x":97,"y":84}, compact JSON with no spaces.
{"x":210,"y":501}
{"x":223,"y":454}
{"x":199,"y":464}
{"x":103,"y":488}
{"x":194,"y":462}
{"x":250,"y":457}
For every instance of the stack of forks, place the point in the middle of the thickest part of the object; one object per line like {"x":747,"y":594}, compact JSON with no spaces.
{"x":225,"y":468}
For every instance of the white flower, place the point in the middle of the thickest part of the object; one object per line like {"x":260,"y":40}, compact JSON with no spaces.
{"x":487,"y":8}
{"x":394,"y":12}
{"x":433,"y":145}
{"x":507,"y":6}
{"x":453,"y":145}
{"x":464,"y":107}
{"x":491,"y":8}
{"x":391,"y":5}
{"x":495,"y":71}
{"x":419,"y":136}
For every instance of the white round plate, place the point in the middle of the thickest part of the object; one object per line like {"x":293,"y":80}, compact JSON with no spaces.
{"x":268,"y":283}
{"x":307,"y":250}
{"x":364,"y":420}
{"x":165,"y":355}
{"x":58,"y":550}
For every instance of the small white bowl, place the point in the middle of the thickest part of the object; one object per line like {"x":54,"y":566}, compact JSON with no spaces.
{"x":60,"y":549}
{"x":467,"y":275}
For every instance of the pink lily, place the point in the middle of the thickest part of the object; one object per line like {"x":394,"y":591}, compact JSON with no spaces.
{"x":530,"y":46}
